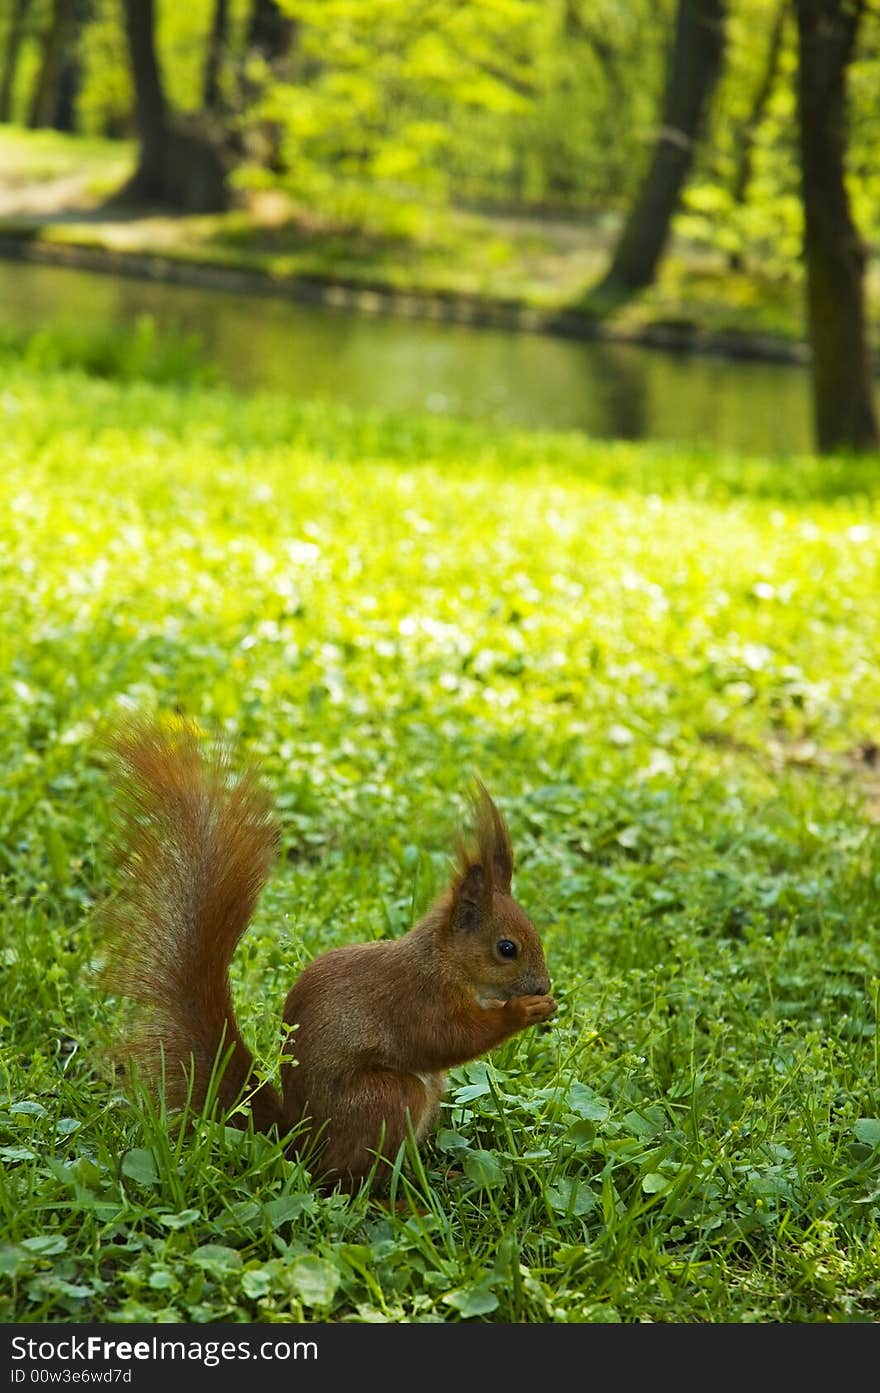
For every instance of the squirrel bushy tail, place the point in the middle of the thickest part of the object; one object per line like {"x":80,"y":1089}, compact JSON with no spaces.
{"x":378,"y":1024}
{"x":196,"y":841}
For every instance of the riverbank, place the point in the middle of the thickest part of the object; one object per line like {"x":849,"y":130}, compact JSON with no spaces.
{"x":59,"y":315}
{"x":422,"y":303}
{"x":445,"y":264}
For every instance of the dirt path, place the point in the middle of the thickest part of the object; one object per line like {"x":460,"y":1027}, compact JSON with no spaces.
{"x":50,"y":198}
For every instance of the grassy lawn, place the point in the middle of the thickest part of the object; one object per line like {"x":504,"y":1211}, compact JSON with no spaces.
{"x":663,"y":666}
{"x":54,"y":187}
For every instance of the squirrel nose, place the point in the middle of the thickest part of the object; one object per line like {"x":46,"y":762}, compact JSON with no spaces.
{"x":539,"y":986}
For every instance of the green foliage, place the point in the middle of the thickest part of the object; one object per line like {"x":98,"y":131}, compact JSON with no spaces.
{"x":864,"y":167}
{"x":120,"y":352}
{"x":104,"y":105}
{"x":502,"y":98}
{"x":383,"y":108}
{"x":509,"y":99}
{"x":583,"y":139}
{"x":662,"y":663}
{"x":36,"y":19}
{"x":378,"y":88}
{"x":763,"y":222}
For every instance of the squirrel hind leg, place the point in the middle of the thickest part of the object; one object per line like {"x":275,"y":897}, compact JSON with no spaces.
{"x":369,"y":1123}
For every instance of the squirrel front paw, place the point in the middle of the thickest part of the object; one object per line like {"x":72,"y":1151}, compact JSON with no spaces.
{"x":530,"y":1010}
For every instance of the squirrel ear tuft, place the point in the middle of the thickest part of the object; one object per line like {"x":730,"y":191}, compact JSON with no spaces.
{"x":493,"y":839}
{"x":485,"y":861}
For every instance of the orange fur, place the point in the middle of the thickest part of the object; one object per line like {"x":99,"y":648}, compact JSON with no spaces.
{"x":375,"y":1025}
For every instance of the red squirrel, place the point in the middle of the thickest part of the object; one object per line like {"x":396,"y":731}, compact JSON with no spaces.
{"x":372,"y":1028}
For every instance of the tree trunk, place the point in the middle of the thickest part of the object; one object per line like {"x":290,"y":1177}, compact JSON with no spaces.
{"x":54,"y":44}
{"x":63,"y":116}
{"x":150,"y":107}
{"x":14,"y":36}
{"x":843,"y":405}
{"x":270,"y":37}
{"x":692,"y":72}
{"x":177,"y":167}
{"x":217,"y":43}
{"x":269,"y":32}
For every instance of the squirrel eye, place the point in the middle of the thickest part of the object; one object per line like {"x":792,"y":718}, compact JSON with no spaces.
{"x":506,"y":948}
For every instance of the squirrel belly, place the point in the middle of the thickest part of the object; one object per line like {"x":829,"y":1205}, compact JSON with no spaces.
{"x":372,"y":1028}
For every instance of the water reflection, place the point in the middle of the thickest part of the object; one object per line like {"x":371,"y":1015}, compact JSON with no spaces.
{"x":607,"y":390}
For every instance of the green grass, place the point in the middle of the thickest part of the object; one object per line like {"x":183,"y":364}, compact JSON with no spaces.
{"x":133,"y":351}
{"x":664,"y":667}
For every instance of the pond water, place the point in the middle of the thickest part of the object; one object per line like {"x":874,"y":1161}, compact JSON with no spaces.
{"x":524,"y":379}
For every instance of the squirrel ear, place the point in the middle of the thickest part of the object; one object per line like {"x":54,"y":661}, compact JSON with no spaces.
{"x":469,"y":896}
{"x":494,"y":850}
{"x":485,"y":862}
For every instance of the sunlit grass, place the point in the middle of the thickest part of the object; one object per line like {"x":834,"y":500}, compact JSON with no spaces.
{"x":663,"y":665}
